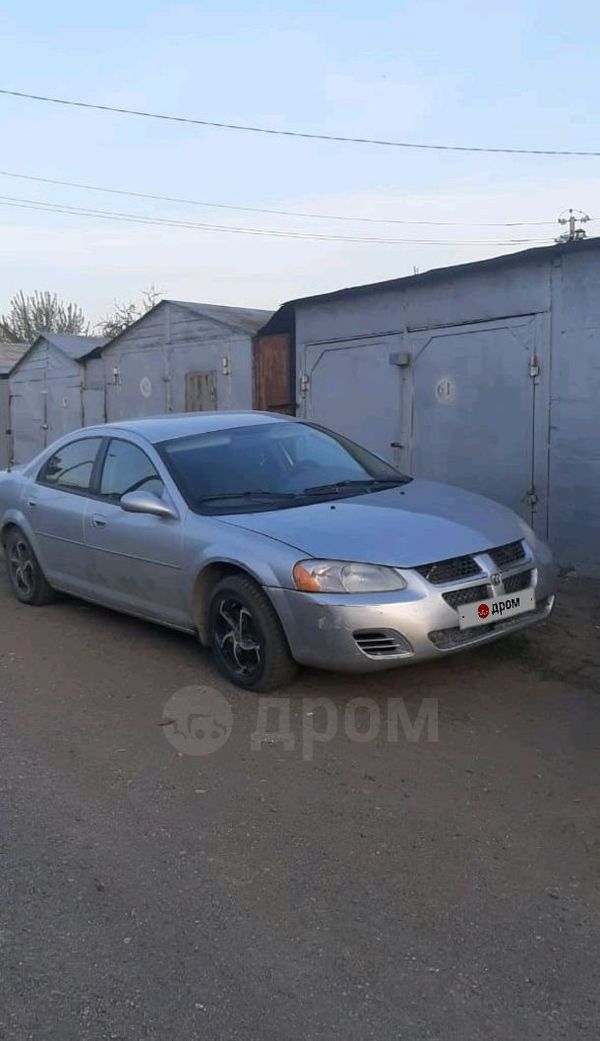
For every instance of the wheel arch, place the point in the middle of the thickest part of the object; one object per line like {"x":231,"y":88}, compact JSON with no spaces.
{"x":205,"y":581}
{"x":15,"y":519}
{"x":6,"y":528}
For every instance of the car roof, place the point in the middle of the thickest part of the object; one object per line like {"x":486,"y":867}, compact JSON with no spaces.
{"x":184,"y":424}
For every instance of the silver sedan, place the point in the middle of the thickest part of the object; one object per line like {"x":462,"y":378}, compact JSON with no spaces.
{"x":275,"y":541}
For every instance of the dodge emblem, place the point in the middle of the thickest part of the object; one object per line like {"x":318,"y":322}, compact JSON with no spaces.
{"x":496,"y":579}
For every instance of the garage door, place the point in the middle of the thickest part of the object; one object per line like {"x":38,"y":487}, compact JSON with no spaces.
{"x":64,"y":409}
{"x":474,"y":390}
{"x":27,"y":419}
{"x":139,"y":387}
{"x":353,"y":389}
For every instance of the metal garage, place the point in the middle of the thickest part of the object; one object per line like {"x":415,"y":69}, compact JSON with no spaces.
{"x":10,"y":354}
{"x":182,"y":357}
{"x":485,"y":375}
{"x":57,"y":382}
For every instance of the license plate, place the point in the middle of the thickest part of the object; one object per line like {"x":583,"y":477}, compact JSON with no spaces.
{"x":482,"y":612}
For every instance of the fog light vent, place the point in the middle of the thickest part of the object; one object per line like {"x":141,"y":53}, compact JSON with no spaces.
{"x":382,"y":643}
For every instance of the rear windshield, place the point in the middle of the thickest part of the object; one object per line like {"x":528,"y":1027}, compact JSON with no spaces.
{"x":271,"y":466}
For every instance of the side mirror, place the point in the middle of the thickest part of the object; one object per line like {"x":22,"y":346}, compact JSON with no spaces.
{"x":147,"y":502}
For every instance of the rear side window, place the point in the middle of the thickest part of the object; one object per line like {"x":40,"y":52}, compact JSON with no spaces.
{"x":127,"y":468}
{"x":71,"y":467}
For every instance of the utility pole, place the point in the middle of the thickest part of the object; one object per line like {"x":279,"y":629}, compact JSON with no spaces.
{"x":574,"y":233}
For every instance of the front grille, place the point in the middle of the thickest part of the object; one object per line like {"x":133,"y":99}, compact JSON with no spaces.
{"x":509,"y":554}
{"x":449,"y":639}
{"x":467,"y":595}
{"x":514,"y":583}
{"x":382,"y":643}
{"x":449,"y":570}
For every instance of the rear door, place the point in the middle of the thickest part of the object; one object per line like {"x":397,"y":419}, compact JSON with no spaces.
{"x":55,"y":504}
{"x":135,"y":559}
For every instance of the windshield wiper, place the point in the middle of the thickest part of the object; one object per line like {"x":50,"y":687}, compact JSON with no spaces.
{"x":253,"y":493}
{"x":365,"y":482}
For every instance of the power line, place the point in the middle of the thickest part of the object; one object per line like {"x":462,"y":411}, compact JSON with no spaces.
{"x":280,"y":213}
{"x":296,"y":133}
{"x":33,"y":204}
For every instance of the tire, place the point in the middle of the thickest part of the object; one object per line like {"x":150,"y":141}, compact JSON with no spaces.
{"x":25,"y":575}
{"x":241,"y":614}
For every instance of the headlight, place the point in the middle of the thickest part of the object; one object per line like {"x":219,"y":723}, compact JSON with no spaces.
{"x":335,"y":576}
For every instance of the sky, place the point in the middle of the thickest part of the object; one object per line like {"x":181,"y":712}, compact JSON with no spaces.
{"x":520,"y":75}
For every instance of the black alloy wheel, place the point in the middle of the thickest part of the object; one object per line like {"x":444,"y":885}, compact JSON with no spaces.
{"x":246,"y":637}
{"x":25,"y":574}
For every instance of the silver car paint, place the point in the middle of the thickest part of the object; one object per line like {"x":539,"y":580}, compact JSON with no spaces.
{"x":149,"y":566}
{"x":399,"y":526}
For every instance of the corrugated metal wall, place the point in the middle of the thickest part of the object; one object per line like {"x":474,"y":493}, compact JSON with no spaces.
{"x":488,"y":379}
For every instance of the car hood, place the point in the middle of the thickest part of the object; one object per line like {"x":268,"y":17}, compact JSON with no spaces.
{"x":413,"y":524}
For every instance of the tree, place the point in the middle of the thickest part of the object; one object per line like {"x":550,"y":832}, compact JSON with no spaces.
{"x":125,"y":315}
{"x":41,"y":312}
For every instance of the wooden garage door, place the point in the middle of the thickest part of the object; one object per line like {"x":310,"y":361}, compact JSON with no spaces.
{"x":201,"y":391}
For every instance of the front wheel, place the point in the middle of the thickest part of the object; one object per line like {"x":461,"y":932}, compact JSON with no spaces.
{"x":26,"y":577}
{"x":246,"y":637}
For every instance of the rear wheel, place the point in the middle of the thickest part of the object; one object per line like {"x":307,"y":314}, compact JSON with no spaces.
{"x":24,"y":572}
{"x":246,"y":637}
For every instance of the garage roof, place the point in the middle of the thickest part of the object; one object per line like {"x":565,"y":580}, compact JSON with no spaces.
{"x":10,"y":354}
{"x":249,"y":319}
{"x":282,"y":317}
{"x":77,"y":347}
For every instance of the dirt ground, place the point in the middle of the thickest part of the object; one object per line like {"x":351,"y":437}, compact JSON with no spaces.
{"x":432,"y":889}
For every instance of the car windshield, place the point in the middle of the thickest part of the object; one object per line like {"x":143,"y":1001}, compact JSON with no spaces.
{"x":270,"y":466}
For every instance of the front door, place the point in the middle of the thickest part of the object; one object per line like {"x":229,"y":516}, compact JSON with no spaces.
{"x":473,"y":421}
{"x":135,"y":558}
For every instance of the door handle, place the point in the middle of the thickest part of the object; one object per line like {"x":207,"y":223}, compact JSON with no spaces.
{"x":32,"y":502}
{"x":98,"y":522}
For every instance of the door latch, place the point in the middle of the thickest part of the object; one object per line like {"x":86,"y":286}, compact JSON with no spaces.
{"x":534,"y":366}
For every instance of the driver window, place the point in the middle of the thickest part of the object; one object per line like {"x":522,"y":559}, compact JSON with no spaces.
{"x":126,"y":469}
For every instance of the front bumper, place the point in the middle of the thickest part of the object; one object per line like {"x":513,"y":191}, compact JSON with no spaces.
{"x":322,"y":629}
